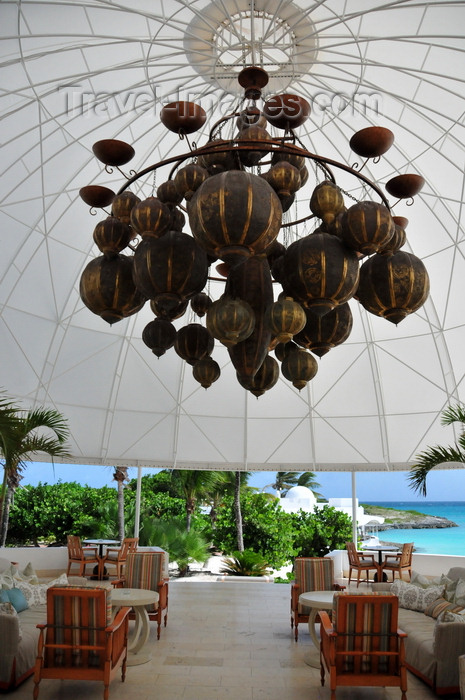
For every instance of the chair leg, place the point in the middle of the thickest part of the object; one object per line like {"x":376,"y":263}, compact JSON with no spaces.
{"x":296,"y":631}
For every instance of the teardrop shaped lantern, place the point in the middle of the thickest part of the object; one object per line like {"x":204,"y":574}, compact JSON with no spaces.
{"x":284,"y":178}
{"x":193,"y":342}
{"x":206,"y":371}
{"x":230,"y":320}
{"x":393,"y":286}
{"x":366,"y":227}
{"x":264,"y":379}
{"x":320,"y":272}
{"x":299,"y":367}
{"x":321,"y":334}
{"x":188,"y":180}
{"x":286,"y":318}
{"x":112,"y":236}
{"x":251,"y":156}
{"x":396,"y":242}
{"x":159,"y":335}
{"x":151,"y":217}
{"x":172,"y":264}
{"x":282,"y":349}
{"x":327,"y":201}
{"x":123,"y":204}
{"x":108,"y":290}
{"x":200,"y":303}
{"x":251,"y":281}
{"x":235,"y":215}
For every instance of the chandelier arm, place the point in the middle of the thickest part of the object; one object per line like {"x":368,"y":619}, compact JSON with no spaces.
{"x":272,"y":146}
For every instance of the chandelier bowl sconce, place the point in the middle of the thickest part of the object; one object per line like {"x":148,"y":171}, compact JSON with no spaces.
{"x":235,"y":192}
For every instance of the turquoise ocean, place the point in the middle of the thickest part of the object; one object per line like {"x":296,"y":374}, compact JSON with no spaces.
{"x":430,"y":541}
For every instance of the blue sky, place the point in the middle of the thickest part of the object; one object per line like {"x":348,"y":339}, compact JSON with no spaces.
{"x":443,"y":485}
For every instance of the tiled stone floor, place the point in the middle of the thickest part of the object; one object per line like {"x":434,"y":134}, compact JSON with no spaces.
{"x":224,"y":641}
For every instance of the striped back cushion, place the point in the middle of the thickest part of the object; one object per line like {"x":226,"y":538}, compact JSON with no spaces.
{"x":365,"y":623}
{"x":314,"y":573}
{"x":76,"y":621}
{"x":145,"y":570}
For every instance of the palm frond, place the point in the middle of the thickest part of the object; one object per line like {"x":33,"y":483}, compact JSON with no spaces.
{"x":453,"y":414}
{"x":47,"y":418}
{"x":429,"y":459}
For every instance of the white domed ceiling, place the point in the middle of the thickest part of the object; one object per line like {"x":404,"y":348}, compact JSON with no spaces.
{"x":74,"y":73}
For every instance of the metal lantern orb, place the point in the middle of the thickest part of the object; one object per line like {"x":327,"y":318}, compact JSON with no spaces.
{"x":322,"y":333}
{"x":159,"y":335}
{"x":367,"y":227}
{"x":320,"y":272}
{"x":206,"y":371}
{"x":235,"y":214}
{"x":299,"y":367}
{"x":230,"y":320}
{"x":108,"y":290}
{"x":173,"y":264}
{"x":112,"y":236}
{"x":151,"y":217}
{"x":393,"y":286}
{"x":123,"y":204}
{"x":193,"y":342}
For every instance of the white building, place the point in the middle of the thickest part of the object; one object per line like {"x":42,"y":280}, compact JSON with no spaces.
{"x":302,"y":498}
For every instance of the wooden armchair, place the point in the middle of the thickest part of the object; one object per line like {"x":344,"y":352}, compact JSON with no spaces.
{"x":397,"y":563}
{"x":149,"y":570}
{"x":362,"y":646}
{"x":117,"y":556}
{"x":79,"y":641}
{"x":77,"y":554}
{"x":311,"y":574}
{"x":360,"y":562}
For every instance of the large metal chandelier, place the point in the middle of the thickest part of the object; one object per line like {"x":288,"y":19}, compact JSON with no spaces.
{"x":235,"y":191}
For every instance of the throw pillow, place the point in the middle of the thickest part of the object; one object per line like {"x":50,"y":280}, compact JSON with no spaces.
{"x":415,"y":598}
{"x":27,"y":574}
{"x":6,"y":581}
{"x":424,"y":581}
{"x":36,"y":594}
{"x":15,"y":597}
{"x":9,"y":609}
{"x":459,"y":597}
{"x":441,"y":605}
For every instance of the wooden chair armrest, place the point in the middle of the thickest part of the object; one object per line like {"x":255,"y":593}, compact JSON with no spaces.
{"x":118,"y":619}
{"x":325,"y":623}
{"x":396,"y":557}
{"x":401,"y":633}
{"x":118,"y":583}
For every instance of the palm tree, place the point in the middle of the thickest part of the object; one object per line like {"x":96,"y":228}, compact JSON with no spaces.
{"x":120,"y":475}
{"x":434,"y":456}
{"x":193,"y":486}
{"x":20,"y":438}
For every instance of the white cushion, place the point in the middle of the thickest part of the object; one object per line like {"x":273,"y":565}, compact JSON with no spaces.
{"x":36,"y":594}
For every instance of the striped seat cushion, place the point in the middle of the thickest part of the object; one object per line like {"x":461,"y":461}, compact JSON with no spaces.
{"x":313,"y":574}
{"x":145,"y":570}
{"x":367,"y":629}
{"x":77,"y":622}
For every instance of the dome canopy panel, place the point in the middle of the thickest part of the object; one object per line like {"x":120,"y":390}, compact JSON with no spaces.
{"x":76,"y":73}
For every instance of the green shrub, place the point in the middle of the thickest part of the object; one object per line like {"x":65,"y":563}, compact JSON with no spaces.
{"x":246,"y":563}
